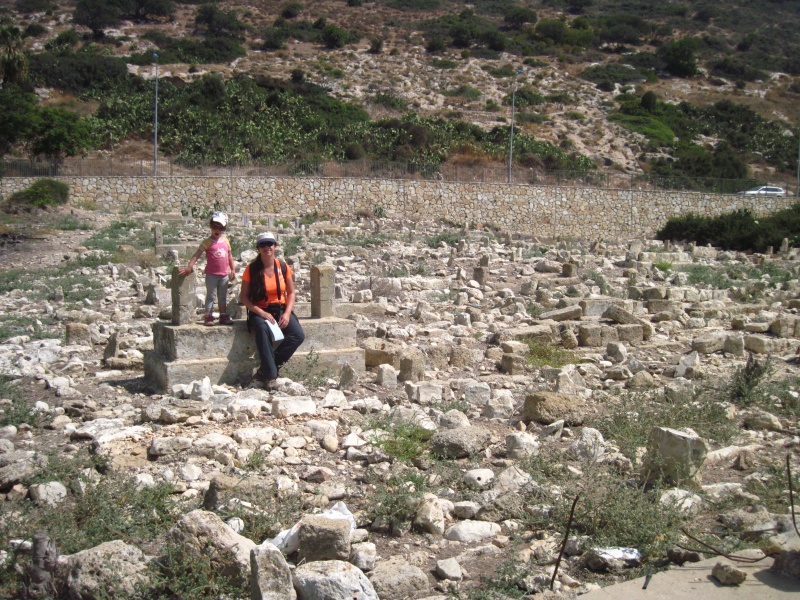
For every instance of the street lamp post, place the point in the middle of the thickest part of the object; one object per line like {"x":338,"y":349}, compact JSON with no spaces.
{"x":511,"y":137}
{"x":155,"y":123}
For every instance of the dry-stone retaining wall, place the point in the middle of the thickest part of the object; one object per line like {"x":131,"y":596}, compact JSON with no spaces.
{"x":592,"y":213}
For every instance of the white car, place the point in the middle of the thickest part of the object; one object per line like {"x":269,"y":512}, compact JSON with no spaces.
{"x":765,"y":190}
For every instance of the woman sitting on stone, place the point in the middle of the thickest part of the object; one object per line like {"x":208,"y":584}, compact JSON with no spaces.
{"x":268,"y":293}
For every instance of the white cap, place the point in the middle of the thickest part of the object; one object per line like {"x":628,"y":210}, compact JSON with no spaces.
{"x":220,"y":217}
{"x":266,"y":236}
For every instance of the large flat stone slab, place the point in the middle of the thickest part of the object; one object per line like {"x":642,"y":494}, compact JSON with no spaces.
{"x":234,"y":342}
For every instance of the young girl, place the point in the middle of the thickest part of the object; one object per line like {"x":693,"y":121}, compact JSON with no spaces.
{"x":219,"y":263}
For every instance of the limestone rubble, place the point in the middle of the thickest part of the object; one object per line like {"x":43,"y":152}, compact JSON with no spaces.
{"x":446,"y":332}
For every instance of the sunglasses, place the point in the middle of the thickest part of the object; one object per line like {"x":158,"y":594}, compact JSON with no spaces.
{"x":266,"y":244}
{"x":217,"y":226}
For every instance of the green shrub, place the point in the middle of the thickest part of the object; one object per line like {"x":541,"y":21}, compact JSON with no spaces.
{"x":630,"y":420}
{"x":542,"y":354}
{"x":464,"y":91}
{"x":405,"y":441}
{"x":605,"y":76}
{"x":743,"y":389}
{"x":737,"y":230}
{"x":35,"y":30}
{"x":41,"y":194}
{"x":451,"y":238}
{"x":274,"y":38}
{"x":390,"y":101}
{"x":291,"y":10}
{"x":337,"y":37}
{"x":76,"y":72}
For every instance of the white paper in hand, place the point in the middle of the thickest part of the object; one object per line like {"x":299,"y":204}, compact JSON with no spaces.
{"x":277,"y":334}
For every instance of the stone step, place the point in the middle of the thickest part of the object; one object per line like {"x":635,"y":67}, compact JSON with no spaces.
{"x":164,"y":374}
{"x":227,"y":353}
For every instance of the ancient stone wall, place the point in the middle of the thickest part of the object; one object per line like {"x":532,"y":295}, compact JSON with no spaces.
{"x":593,"y":213}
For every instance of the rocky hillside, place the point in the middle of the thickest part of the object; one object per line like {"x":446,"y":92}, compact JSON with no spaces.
{"x":410,"y":56}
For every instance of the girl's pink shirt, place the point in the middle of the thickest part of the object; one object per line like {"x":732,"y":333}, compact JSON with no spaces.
{"x":217,"y":254}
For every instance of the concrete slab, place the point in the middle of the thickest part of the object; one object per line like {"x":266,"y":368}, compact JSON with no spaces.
{"x":693,"y":581}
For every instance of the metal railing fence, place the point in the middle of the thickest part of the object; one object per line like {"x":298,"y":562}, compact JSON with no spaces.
{"x":372,"y":169}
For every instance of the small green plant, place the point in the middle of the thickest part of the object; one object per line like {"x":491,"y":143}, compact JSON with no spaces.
{"x":17,"y":410}
{"x":405,"y":441}
{"x":311,"y":373}
{"x":379,"y":211}
{"x":256,"y":462}
{"x":630,"y":420}
{"x":663,"y":265}
{"x":290,"y":245}
{"x":542,"y":354}
{"x":534,"y":309}
{"x":191,"y":574}
{"x":745,"y":384}
{"x":451,"y":238}
{"x":394,"y":499}
{"x":70,"y":223}
{"x":398,"y":271}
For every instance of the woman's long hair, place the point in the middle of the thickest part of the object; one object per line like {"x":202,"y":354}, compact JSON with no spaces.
{"x":257,"y":291}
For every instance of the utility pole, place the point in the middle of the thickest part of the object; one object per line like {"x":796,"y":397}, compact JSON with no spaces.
{"x":155,"y":123}
{"x":511,"y":137}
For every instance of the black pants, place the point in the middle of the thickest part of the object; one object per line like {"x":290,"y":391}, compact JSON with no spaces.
{"x":272,"y":360}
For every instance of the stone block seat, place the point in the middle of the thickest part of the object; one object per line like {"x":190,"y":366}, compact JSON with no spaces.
{"x":227,"y":353}
{"x":185,"y":351}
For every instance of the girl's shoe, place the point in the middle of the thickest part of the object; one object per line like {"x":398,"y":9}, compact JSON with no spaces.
{"x":209,"y":321}
{"x":225,"y":319}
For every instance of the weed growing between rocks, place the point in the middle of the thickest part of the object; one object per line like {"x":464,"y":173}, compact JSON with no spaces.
{"x":541,"y":354}
{"x":189,"y":573}
{"x":451,"y":238}
{"x":631,"y":418}
{"x":70,"y":223}
{"x":310,"y":374}
{"x":395,"y":500}
{"x":404,"y":441}
{"x":98,"y":509}
{"x":14,"y":409}
{"x":743,"y":388}
{"x":42,"y":328}
{"x":264,"y":510}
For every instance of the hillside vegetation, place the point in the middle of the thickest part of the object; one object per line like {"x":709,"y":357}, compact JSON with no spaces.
{"x":678,"y":91}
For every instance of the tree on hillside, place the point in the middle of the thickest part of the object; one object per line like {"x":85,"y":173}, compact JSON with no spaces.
{"x":144,"y":9}
{"x":13,"y":58}
{"x":218,"y":22}
{"x":17,"y":109}
{"x":56,"y":133}
{"x":679,"y":57}
{"x":99,"y":15}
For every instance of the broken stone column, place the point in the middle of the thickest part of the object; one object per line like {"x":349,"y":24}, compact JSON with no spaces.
{"x":322,"y":292}
{"x":158,"y":235}
{"x":479,"y":275}
{"x":184,"y":310}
